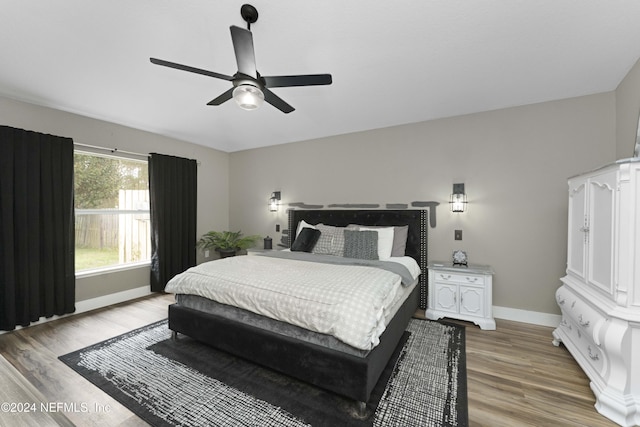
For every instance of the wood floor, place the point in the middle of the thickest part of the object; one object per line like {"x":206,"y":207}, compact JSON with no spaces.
{"x":515,"y":376}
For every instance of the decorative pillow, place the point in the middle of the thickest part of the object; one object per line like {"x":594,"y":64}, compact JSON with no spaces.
{"x":323,"y":247}
{"x":337,"y":245}
{"x":331,"y":241}
{"x":361,"y":244}
{"x":400,"y":235}
{"x":306,"y":240}
{"x":302,"y":224}
{"x":385,"y":240}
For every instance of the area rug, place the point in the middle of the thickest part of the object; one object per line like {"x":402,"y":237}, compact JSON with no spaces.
{"x":183,"y":382}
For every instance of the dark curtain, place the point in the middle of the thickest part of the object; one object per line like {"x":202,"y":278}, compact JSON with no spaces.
{"x":172,"y":195}
{"x":37,"y":275}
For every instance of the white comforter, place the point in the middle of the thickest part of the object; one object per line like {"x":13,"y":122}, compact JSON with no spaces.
{"x":347,"y":302}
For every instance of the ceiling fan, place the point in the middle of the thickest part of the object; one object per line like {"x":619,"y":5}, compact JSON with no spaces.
{"x":250,"y":89}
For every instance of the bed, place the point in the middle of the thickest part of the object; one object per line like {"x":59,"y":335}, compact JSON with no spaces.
{"x":316,"y":358}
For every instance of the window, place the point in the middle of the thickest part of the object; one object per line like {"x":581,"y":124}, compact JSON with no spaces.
{"x":112,"y":221}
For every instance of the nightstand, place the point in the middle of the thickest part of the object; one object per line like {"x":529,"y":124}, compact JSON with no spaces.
{"x":461,"y":292}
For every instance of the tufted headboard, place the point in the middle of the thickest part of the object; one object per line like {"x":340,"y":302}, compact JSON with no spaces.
{"x":417,"y":220}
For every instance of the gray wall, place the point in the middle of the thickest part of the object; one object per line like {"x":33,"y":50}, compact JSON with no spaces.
{"x":627,"y":111}
{"x":213,"y":175}
{"x":514,"y":163}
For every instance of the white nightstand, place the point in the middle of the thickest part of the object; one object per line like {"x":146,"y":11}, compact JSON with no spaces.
{"x":460,"y":292}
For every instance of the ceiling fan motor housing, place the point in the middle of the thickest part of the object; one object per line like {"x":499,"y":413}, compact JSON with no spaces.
{"x":249,"y":14}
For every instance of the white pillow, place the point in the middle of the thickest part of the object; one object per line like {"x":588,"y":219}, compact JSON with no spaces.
{"x":302,"y":224}
{"x":385,"y":241}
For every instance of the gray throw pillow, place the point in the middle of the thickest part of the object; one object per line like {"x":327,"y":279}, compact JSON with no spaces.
{"x":400,"y":235}
{"x":331,"y":241}
{"x":360,"y":244}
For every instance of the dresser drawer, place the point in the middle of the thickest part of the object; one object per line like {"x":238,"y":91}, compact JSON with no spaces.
{"x":466,"y":279}
{"x":582,"y":344}
{"x":583,"y":316}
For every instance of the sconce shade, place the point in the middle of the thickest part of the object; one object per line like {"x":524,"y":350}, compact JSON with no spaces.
{"x":274,"y":201}
{"x":248,"y":97}
{"x":458,"y":200}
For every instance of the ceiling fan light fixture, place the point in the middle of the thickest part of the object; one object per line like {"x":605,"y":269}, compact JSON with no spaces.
{"x":248,"y":97}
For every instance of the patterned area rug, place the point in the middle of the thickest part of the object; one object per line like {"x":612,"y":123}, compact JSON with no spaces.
{"x":182,"y":382}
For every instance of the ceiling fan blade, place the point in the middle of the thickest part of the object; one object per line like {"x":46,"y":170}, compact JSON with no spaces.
{"x":302,"y":80}
{"x":243,"y":47}
{"x":190,"y":69}
{"x":222,"y":98}
{"x":276,"y":101}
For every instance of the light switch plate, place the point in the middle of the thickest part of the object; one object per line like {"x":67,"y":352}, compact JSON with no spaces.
{"x":457,"y":235}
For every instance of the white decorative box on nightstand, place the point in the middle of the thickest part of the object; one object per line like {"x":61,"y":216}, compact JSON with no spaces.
{"x":463,"y":293}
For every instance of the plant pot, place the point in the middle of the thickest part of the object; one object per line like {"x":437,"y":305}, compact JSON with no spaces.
{"x":224,"y":253}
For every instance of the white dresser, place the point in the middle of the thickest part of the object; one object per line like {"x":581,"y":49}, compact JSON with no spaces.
{"x":460,"y":292}
{"x":600,"y":294}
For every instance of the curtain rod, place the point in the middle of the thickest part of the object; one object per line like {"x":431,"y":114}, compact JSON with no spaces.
{"x":111,"y":150}
{"x":116,"y":151}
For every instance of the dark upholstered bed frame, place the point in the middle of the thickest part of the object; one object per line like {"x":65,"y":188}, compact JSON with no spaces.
{"x":350,"y":376}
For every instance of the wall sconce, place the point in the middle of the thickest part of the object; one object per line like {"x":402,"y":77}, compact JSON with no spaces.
{"x":458,"y":201}
{"x":274,"y":201}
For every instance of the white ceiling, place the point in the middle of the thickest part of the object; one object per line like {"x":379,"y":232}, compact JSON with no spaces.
{"x":393,"y":62}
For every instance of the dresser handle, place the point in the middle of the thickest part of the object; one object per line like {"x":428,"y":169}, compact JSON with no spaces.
{"x":593,"y":356}
{"x":583,"y":323}
{"x":561,"y":301}
{"x":471,"y":279}
{"x":447,"y":277}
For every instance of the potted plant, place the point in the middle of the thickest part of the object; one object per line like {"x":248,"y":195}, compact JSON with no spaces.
{"x":227,"y":243}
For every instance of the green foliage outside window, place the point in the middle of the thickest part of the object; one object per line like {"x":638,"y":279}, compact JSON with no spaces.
{"x":98,"y":180}
{"x":112,"y":211}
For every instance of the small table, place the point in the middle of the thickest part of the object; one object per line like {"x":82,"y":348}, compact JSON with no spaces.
{"x":461,"y":292}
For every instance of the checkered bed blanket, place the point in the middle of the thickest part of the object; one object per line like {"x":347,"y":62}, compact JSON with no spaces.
{"x":348,"y":302}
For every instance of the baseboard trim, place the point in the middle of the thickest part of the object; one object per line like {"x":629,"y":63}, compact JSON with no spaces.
{"x":525,"y":316}
{"x":95,"y":303}
{"x":106,"y":300}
